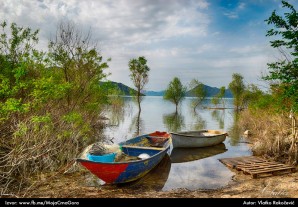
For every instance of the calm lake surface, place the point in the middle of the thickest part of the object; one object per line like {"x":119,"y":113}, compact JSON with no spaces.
{"x":192,"y":169}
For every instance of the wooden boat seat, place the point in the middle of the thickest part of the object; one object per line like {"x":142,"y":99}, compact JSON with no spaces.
{"x":140,"y":147}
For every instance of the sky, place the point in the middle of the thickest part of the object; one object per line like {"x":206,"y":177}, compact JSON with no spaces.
{"x":208,"y":40}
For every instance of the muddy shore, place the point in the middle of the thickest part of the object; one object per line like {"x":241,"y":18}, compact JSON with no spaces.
{"x":73,"y":185}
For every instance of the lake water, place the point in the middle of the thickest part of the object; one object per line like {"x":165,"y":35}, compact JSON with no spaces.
{"x":192,"y":169}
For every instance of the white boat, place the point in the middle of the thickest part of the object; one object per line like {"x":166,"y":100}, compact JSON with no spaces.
{"x":202,"y":138}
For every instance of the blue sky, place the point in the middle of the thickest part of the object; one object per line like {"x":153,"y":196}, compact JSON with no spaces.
{"x":204,"y":39}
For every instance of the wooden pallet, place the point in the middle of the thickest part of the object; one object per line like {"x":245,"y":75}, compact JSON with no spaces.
{"x":256,"y":166}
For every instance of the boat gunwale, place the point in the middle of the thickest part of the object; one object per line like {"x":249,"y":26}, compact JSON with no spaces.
{"x":196,"y":136}
{"x":168,"y":144}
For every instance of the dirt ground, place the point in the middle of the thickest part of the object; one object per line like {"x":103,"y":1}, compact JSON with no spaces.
{"x":72,"y":185}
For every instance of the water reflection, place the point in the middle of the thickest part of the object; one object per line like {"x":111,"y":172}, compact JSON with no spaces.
{"x":173,"y":122}
{"x":207,"y":173}
{"x":199,"y":122}
{"x":116,"y":111}
{"x":136,"y":124}
{"x":180,"y":155}
{"x":219,"y":116}
{"x":235,"y":130}
{"x":154,"y":180}
{"x":198,"y":170}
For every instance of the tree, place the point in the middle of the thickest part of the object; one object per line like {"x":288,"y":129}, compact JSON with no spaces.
{"x":215,"y":100}
{"x":79,"y":63}
{"x":139,"y":75}
{"x":285,"y":71}
{"x":237,"y":87}
{"x":198,"y":91}
{"x":219,"y":97}
{"x":253,"y":97}
{"x":17,"y":69}
{"x":50,"y":100}
{"x":175,"y":92}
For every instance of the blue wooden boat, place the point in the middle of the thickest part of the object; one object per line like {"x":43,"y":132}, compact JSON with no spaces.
{"x":138,"y":156}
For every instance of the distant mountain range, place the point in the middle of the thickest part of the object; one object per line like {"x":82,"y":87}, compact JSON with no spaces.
{"x":211,"y":91}
{"x":125,"y":90}
{"x":128,"y":91}
{"x":154,"y":93}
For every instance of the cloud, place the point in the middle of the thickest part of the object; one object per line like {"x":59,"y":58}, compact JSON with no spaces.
{"x":125,"y":21}
{"x":241,"y":5}
{"x":187,"y":39}
{"x":234,"y":13}
{"x":231,"y":15}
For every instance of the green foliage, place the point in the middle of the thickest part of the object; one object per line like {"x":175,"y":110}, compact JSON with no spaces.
{"x":215,"y":100}
{"x":79,"y":65}
{"x":198,"y":92}
{"x":139,"y":74}
{"x":175,"y":92}
{"x":253,"y":97}
{"x":285,"y":72}
{"x":237,"y":87}
{"x":49,"y":102}
{"x":46,"y":122}
{"x":219,"y":97}
{"x":16,"y":69}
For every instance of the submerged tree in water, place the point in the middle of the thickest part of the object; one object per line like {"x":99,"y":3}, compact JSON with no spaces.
{"x":237,"y":87}
{"x":175,"y":92}
{"x":139,"y":74}
{"x":199,"y":93}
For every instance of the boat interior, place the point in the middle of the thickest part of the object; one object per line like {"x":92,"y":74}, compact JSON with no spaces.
{"x":149,"y":145}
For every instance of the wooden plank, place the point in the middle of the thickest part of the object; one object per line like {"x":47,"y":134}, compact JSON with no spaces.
{"x":263,"y":163}
{"x":256,"y":166}
{"x":233,"y":162}
{"x":229,"y":163}
{"x":269,"y":170}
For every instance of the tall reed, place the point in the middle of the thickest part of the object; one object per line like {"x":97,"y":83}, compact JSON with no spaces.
{"x":271,"y":134}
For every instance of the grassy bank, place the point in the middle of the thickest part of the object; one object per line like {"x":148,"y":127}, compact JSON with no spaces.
{"x":272,"y":134}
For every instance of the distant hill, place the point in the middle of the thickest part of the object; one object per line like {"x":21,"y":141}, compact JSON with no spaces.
{"x":154,"y":93}
{"x":211,"y":91}
{"x":126,"y":90}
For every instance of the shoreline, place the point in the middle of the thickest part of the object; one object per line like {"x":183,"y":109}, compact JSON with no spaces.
{"x":72,"y":185}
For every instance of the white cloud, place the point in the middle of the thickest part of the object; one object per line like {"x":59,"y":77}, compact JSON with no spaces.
{"x":231,"y":15}
{"x":241,"y":5}
{"x":178,"y":38}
